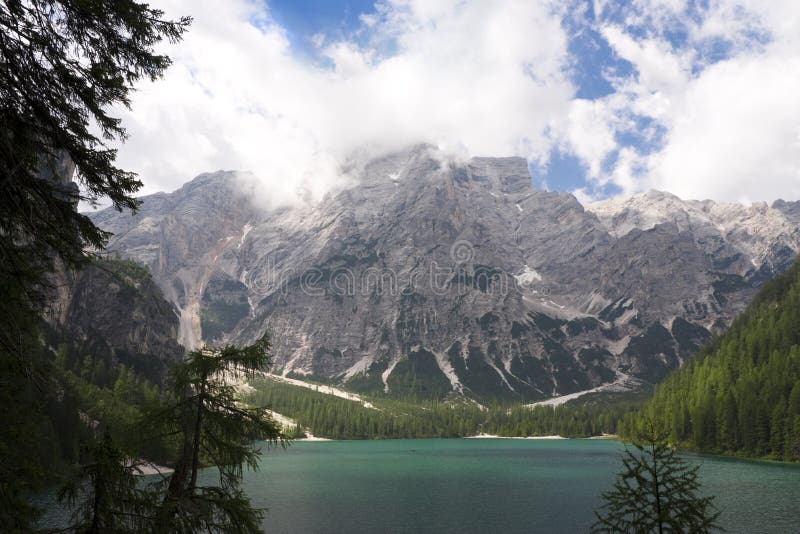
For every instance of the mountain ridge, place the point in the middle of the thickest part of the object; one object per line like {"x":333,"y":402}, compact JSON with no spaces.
{"x":431,"y":277}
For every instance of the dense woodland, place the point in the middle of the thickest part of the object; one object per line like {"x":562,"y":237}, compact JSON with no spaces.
{"x":101,"y":395}
{"x":741,"y":394}
{"x":332,"y":417}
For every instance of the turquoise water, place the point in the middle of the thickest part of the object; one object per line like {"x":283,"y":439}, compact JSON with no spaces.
{"x":481,"y":485}
{"x":487,"y":485}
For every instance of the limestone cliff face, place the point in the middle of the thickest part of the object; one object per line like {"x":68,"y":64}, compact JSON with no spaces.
{"x":114,"y":309}
{"x":184,"y":238}
{"x":111,"y":309}
{"x":432,"y":276}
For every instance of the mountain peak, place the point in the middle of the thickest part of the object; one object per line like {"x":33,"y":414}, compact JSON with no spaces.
{"x":432,"y":274}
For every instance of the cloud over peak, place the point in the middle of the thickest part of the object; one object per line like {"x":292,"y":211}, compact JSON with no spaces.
{"x":702,"y":104}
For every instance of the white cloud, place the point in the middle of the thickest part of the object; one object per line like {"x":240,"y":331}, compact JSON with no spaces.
{"x":737,"y":134}
{"x":731,"y":127}
{"x":660,"y":69}
{"x":483,"y":78}
{"x":589,"y":132}
{"x":479,"y":78}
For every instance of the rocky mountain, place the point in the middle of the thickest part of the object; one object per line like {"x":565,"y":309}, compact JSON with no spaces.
{"x":434,"y":277}
{"x":111,"y":309}
{"x":114,"y":311}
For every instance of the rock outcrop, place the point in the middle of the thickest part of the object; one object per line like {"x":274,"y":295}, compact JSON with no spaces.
{"x":114,"y":311}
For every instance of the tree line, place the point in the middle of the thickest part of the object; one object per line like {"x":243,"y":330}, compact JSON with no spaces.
{"x":336,"y":418}
{"x":741,"y":394}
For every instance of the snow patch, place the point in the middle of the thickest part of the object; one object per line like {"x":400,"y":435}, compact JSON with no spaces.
{"x":528,"y":276}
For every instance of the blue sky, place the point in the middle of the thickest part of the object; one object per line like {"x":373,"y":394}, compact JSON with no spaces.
{"x":305,"y":18}
{"x":595,"y":62}
{"x":602,"y":97}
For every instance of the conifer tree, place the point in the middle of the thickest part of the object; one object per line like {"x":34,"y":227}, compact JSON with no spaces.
{"x":65,"y":66}
{"x":656,"y":492}
{"x":213,"y":428}
{"x":106,"y":496}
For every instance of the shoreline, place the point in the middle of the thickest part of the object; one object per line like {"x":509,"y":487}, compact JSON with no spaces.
{"x":611,"y":437}
{"x":145,"y":468}
{"x":477,"y":436}
{"x":495,"y":436}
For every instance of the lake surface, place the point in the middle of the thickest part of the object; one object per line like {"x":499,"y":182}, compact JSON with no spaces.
{"x":481,"y":485}
{"x":488,"y":485}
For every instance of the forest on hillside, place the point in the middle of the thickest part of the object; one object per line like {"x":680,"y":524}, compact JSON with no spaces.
{"x":335,"y":418}
{"x":741,"y":394}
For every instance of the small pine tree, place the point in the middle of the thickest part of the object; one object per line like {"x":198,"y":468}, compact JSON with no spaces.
{"x":298,"y":432}
{"x":656,"y":492}
{"x":213,"y":428}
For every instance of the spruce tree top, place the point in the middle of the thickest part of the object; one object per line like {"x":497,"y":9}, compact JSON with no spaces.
{"x":656,"y":492}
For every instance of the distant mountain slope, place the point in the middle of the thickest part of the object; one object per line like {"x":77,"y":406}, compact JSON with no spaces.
{"x":431,"y":277}
{"x":746,"y":237}
{"x":113,"y":312}
{"x":742,"y":393}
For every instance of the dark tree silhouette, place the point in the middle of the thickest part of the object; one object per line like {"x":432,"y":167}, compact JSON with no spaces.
{"x":657,"y":491}
{"x":107,"y":497}
{"x":64,"y":66}
{"x":213,"y":428}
